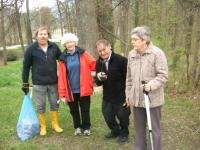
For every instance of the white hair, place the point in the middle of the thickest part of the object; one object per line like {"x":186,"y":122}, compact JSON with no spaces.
{"x":69,"y":37}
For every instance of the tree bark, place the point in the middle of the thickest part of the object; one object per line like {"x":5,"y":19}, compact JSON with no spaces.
{"x":28,"y":24}
{"x":196,"y":57}
{"x":105,"y":18}
{"x":87,"y":28}
{"x":123,"y":28}
{"x":3,"y":57}
{"x":19,"y":25}
{"x":60,"y":16}
{"x":188,"y":42}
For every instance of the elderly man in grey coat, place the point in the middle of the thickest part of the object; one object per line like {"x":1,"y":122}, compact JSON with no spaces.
{"x":148,"y":63}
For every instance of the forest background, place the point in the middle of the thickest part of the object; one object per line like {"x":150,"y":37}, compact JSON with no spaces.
{"x":174,"y":27}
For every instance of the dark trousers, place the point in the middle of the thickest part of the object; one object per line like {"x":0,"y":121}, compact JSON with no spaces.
{"x":81,"y":119}
{"x":111,"y":113}
{"x":140,"y":122}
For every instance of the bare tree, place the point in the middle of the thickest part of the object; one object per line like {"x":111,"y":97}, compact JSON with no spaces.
{"x":60,"y":15}
{"x":3,"y":59}
{"x":196,"y":58}
{"x":28,"y":24}
{"x":18,"y":23}
{"x":105,"y":19}
{"x":123,"y":25}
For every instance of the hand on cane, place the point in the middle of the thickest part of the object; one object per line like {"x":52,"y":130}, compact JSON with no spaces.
{"x":146,"y":87}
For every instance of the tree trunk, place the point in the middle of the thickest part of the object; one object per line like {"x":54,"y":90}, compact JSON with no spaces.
{"x":123,"y":28}
{"x":60,"y":16}
{"x":105,"y":19}
{"x":3,"y":57}
{"x":188,"y":42}
{"x":28,"y":24}
{"x":19,"y":25}
{"x":163,"y":23}
{"x":196,"y":57}
{"x":136,"y":12}
{"x":87,"y":28}
{"x":68,"y":18}
{"x":146,"y":12}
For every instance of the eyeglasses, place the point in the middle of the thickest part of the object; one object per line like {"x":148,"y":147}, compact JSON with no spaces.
{"x":102,"y":50}
{"x":135,"y":39}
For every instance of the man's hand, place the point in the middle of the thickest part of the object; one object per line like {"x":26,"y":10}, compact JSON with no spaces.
{"x":101,"y":76}
{"x":25,"y":88}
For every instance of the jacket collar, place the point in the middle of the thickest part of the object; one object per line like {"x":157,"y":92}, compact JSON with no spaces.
{"x":36,"y":44}
{"x":63,"y":55}
{"x":148,"y":50}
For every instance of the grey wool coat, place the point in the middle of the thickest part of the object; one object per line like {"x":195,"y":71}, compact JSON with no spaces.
{"x":151,"y":67}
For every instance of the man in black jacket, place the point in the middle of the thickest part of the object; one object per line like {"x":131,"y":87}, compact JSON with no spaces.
{"x":41,"y":58}
{"x":111,"y":73}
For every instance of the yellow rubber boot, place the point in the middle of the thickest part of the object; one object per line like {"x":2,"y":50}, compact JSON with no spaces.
{"x":42,"y":121}
{"x":54,"y":122}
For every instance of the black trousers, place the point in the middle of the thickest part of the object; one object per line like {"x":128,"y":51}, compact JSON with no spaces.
{"x":81,"y":118}
{"x":114,"y":113}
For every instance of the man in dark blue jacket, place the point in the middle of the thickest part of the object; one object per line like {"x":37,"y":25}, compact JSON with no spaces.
{"x":40,"y":57}
{"x":111,"y":73}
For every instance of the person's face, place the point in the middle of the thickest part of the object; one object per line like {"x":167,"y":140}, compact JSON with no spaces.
{"x":42,"y":37}
{"x":103,"y":51}
{"x":70,"y":45}
{"x":138,"y":43}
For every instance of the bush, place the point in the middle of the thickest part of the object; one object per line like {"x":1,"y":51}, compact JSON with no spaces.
{"x":13,"y":55}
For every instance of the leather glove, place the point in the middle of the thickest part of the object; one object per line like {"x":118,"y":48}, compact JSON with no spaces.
{"x":101,"y":76}
{"x":25,"y":88}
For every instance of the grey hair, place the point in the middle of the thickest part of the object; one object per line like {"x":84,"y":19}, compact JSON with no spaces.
{"x":143,"y":32}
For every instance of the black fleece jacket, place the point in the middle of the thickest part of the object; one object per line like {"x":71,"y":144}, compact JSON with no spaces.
{"x":43,"y":65}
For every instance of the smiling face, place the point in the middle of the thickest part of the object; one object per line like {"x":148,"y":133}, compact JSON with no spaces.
{"x":70,"y":45}
{"x":138,"y":43}
{"x":42,"y":37}
{"x":103,"y":50}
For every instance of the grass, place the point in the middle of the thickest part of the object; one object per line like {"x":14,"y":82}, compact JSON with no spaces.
{"x":180,"y":122}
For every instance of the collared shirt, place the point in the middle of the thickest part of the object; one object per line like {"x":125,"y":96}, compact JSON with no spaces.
{"x":107,"y":61}
{"x":73,"y":67}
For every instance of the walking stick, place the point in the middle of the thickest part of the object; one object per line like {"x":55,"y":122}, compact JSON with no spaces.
{"x":146,"y":99}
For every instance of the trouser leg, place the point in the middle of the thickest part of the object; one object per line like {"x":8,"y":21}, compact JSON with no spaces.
{"x":156,"y":129}
{"x":109,"y":116}
{"x":123,"y":116}
{"x":39,"y":95}
{"x":52,"y":91}
{"x":74,"y":110}
{"x":140,"y":128}
{"x":85,"y":112}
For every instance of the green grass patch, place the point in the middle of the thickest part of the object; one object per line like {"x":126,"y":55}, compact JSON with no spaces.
{"x":180,"y":122}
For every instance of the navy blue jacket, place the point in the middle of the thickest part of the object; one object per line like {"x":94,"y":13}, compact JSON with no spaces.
{"x":43,"y":65}
{"x":114,"y":86}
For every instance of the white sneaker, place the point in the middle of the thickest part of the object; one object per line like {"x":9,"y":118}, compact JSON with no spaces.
{"x":77,"y":132}
{"x":86,"y":132}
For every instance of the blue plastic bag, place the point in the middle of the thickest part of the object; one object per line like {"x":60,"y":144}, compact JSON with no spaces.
{"x":28,"y":124}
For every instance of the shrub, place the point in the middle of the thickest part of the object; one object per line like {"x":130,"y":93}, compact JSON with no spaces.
{"x":13,"y":55}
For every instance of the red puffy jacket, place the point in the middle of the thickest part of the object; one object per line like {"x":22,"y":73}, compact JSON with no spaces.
{"x":87,"y":64}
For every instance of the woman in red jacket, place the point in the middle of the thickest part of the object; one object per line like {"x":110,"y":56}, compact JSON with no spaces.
{"x":75,"y":83}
